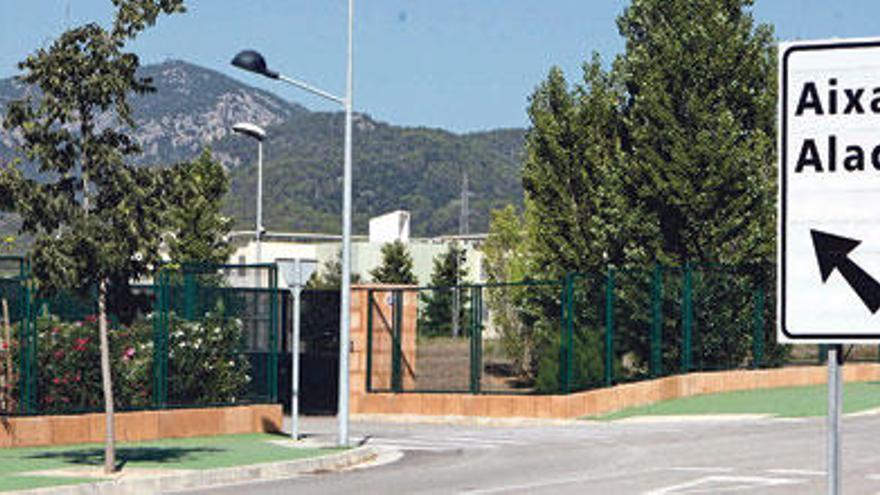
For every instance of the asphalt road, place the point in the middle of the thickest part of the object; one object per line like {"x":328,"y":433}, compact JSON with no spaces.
{"x":772,"y":456}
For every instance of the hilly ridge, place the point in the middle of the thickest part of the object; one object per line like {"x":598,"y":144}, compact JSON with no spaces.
{"x":418,"y":169}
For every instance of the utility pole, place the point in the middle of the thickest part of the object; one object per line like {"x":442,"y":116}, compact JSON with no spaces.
{"x":463,"y":227}
{"x":462,"y":231}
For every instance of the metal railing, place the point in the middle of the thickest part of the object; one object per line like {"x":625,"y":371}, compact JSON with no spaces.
{"x":596,"y":329}
{"x":198,"y":335}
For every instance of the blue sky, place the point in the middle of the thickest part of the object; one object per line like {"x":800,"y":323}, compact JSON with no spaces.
{"x":463,"y":65}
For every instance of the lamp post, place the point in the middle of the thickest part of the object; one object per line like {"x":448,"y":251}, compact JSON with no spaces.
{"x":256,"y":132}
{"x":252,"y":61}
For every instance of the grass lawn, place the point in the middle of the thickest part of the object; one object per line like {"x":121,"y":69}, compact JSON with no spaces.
{"x":785,"y":402}
{"x":180,"y":453}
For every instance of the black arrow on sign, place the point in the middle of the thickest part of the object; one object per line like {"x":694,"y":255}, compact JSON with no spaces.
{"x":832,"y":251}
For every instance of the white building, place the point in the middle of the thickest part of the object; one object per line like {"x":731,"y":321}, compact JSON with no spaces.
{"x":366,"y":251}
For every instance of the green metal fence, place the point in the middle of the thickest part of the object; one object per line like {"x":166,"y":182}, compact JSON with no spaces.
{"x":198,"y":335}
{"x":588,"y":330}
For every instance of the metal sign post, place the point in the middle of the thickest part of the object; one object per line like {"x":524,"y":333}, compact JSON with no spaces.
{"x":835,"y":404}
{"x":829,"y":238}
{"x":296,"y":273}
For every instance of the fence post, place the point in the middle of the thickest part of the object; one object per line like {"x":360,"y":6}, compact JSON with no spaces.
{"x":687,"y":320}
{"x":609,"y":327}
{"x":476,"y":333}
{"x":163,"y":336}
{"x":657,"y":322}
{"x":24,"y":372}
{"x":569,"y":335}
{"x":161,"y":320}
{"x":758,"y":329}
{"x":273,"y":335}
{"x":369,"y":384}
{"x":564,"y":340}
{"x":157,"y":317}
{"x":477,"y":338}
{"x":397,"y":323}
{"x":562,"y":374}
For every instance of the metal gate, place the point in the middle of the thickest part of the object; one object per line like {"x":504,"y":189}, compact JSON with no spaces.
{"x":319,"y":351}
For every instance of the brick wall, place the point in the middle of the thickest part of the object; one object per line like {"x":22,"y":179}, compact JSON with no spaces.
{"x":594,"y":402}
{"x":35,"y":431}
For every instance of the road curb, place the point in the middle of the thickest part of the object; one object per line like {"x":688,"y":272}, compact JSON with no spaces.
{"x":461,"y":420}
{"x":212,"y":477}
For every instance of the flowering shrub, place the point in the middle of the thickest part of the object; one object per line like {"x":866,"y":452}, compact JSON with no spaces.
{"x":205,"y":363}
{"x":69,"y":366}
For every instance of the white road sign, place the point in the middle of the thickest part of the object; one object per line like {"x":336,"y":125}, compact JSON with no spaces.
{"x":296,"y":272}
{"x":829,"y":187}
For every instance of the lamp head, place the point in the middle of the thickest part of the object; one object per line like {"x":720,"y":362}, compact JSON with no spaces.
{"x":253,"y":61}
{"x":251,"y":130}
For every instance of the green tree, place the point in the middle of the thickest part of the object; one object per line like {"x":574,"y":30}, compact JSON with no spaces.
{"x":444,"y":305}
{"x":329,"y":277}
{"x":97,"y":219}
{"x":700,"y":117}
{"x":700,"y":79}
{"x":668,"y":157}
{"x":505,"y":261}
{"x":575,"y":210}
{"x":199,"y":230}
{"x":396,"y":266}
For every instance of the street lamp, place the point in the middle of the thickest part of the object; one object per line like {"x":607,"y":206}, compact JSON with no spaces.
{"x":256,"y":132}
{"x":252,"y":61}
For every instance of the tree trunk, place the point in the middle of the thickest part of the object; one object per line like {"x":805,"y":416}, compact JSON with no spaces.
{"x":107,"y":382}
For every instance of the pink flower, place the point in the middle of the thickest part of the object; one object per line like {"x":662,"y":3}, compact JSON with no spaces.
{"x":58,"y":354}
{"x":56,"y":380}
{"x":128,"y":354}
{"x":56,"y":330}
{"x":80,"y":344}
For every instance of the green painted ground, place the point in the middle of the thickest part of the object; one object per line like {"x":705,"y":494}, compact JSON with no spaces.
{"x":785,"y":402}
{"x":182,"y":453}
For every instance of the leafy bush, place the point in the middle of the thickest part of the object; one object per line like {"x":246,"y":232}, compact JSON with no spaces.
{"x":205,"y":362}
{"x":68,"y":374}
{"x":205,"y":365}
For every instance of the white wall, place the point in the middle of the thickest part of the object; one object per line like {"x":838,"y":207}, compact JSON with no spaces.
{"x":390,"y":227}
{"x":366,"y":256}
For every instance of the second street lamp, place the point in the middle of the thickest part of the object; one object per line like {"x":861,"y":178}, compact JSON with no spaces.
{"x":256,"y":132}
{"x":253,"y":61}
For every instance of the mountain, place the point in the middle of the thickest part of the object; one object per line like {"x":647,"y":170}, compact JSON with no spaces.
{"x":418,"y":169}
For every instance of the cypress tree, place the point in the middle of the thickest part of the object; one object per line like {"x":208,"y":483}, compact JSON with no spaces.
{"x":439,"y":316}
{"x":701,"y":97}
{"x":396,"y":267}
